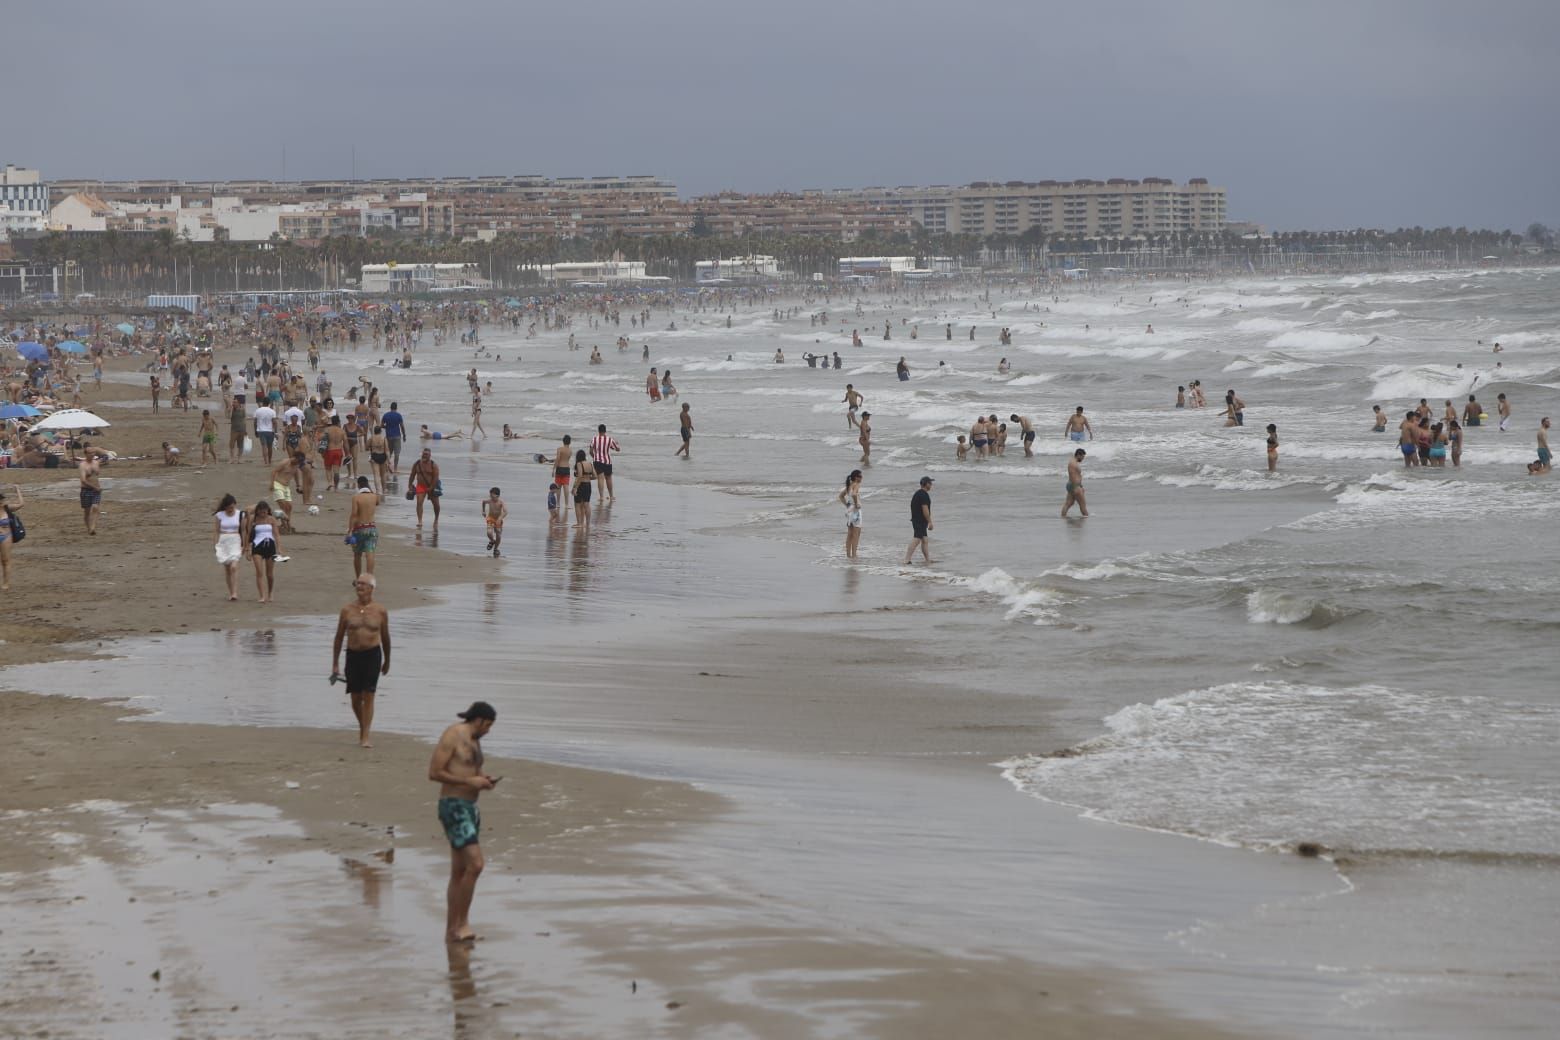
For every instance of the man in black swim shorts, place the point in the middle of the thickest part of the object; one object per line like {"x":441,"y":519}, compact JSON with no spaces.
{"x":365,"y":627}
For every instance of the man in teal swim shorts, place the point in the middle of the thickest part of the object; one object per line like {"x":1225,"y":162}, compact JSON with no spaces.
{"x":457,"y":769}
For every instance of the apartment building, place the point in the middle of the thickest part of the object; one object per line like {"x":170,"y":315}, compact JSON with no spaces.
{"x":733,"y":214}
{"x":23,"y":190}
{"x":1117,"y":207}
{"x":517,"y":186}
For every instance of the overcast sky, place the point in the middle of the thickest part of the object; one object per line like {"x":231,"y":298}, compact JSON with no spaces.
{"x":1314,"y":114}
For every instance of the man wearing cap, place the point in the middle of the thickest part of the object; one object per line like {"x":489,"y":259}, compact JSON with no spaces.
{"x":365,"y":626}
{"x":921,"y":521}
{"x":457,"y":768}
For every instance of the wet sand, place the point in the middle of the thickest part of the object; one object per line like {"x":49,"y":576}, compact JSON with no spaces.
{"x":172,"y":879}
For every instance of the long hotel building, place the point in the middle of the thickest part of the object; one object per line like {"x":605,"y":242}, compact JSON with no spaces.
{"x":1117,"y":207}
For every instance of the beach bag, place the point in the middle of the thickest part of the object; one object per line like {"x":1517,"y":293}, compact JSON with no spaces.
{"x":18,"y":529}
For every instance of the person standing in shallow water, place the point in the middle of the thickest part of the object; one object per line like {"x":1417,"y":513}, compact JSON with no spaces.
{"x":364,"y":626}
{"x":1272,"y":447}
{"x":1075,"y":485}
{"x":850,"y":498}
{"x":456,"y":767}
{"x":685,"y":431}
{"x":921,"y":522}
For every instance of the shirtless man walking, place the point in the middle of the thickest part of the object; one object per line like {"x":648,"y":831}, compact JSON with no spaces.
{"x":91,"y":490}
{"x":1078,"y":428}
{"x":685,"y":431}
{"x":424,"y":479}
{"x":365,"y":625}
{"x":282,"y":476}
{"x":335,"y":450}
{"x":852,"y":401}
{"x":865,"y":438}
{"x":456,"y":767}
{"x":362,"y":532}
{"x":1075,"y":484}
{"x":1029,"y":433}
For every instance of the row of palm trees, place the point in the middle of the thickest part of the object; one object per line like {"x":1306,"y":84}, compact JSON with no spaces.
{"x":161,"y":261}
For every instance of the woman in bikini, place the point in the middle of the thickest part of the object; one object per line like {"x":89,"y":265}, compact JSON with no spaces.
{"x":379,"y":458}
{"x":584,"y":476}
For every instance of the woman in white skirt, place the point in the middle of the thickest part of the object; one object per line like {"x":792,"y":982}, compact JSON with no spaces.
{"x":226,"y":531}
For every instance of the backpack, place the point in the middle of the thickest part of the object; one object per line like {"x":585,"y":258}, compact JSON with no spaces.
{"x":18,"y":531}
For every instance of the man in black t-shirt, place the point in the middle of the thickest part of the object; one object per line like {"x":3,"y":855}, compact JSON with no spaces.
{"x":921,"y":522}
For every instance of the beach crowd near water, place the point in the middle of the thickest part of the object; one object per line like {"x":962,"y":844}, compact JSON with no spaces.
{"x":353,"y":422}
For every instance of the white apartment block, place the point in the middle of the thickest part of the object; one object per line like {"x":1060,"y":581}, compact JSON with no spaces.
{"x":1117,"y":207}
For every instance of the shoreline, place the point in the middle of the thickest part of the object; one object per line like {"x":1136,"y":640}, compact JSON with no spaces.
{"x":591,"y":842}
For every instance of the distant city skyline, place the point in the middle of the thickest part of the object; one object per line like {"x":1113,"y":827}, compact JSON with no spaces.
{"x":1326,"y":115}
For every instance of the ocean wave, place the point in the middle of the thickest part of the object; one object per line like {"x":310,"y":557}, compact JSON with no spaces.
{"x":1275,"y":607}
{"x":1267,"y":325}
{"x":1396,"y":382}
{"x":1035,"y":603}
{"x":1274,"y":764}
{"x":1318,"y":340}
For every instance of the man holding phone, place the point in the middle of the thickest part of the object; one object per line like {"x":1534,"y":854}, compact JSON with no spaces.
{"x":457,"y":769}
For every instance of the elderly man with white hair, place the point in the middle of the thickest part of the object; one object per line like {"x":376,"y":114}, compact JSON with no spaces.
{"x":365,"y":626}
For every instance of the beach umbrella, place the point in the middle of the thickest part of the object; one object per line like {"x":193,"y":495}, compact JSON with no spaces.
{"x":125,"y":327}
{"x":330,"y":314}
{"x":71,"y":346}
{"x":18,"y":411}
{"x":72,"y":419}
{"x":33,"y":351}
{"x":322,"y":309}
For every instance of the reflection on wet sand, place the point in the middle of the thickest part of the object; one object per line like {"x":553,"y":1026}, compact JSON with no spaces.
{"x":469,"y":1015}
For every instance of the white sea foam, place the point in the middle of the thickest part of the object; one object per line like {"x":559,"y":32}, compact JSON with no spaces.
{"x":1039,"y":605}
{"x":1310,"y":339}
{"x":1269,"y":764}
{"x":1272,"y":607}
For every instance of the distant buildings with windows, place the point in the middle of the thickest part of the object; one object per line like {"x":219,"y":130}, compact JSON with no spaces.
{"x":539,"y":208}
{"x":1083,"y":208}
{"x":23,"y":190}
{"x":418,"y":278}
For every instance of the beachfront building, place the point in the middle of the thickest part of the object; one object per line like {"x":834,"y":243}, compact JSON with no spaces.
{"x":15,"y":221}
{"x":756,"y":268}
{"x":608,"y":271}
{"x":80,"y":212}
{"x":23,"y":190}
{"x":1084,"y":208}
{"x":394,"y":277}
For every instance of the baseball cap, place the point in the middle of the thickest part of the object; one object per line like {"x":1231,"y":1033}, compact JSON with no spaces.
{"x":479,"y":710}
{"x":926,"y":480}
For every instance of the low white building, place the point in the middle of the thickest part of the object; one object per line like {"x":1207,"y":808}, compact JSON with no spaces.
{"x":396,"y":277}
{"x":588,"y":271}
{"x":873,"y":266}
{"x":80,"y":212}
{"x":20,"y":220}
{"x":756,"y":268}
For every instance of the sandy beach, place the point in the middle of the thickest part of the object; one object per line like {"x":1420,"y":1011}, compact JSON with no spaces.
{"x":234,"y":880}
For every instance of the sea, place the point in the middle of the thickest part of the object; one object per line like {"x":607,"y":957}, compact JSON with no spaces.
{"x":1299,"y":727}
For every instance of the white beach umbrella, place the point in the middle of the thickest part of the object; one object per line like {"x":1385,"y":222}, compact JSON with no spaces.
{"x":71,"y":419}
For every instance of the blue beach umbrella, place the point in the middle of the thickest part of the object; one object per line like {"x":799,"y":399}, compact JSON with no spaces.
{"x":125,"y":327}
{"x":71,"y":346}
{"x":32,"y":351}
{"x":18,"y":411}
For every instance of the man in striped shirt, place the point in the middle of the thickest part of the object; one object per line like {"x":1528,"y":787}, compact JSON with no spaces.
{"x":601,"y":448}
